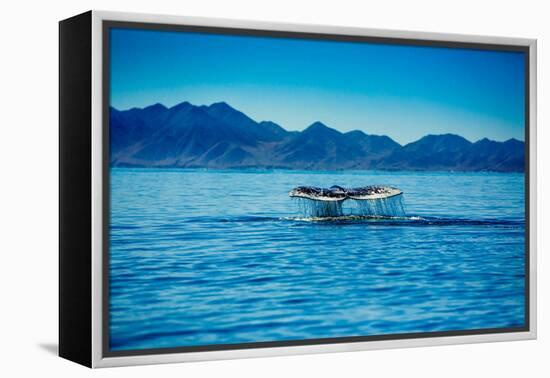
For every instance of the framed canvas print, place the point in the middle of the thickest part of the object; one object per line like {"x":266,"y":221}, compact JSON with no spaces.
{"x":236,"y":189}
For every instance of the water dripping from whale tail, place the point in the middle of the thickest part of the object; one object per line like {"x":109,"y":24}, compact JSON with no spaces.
{"x":320,"y":209}
{"x":383,"y":207}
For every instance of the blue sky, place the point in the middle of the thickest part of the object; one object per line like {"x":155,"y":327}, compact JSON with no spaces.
{"x":404,"y":92}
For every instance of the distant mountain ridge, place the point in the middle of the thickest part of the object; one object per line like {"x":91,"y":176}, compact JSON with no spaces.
{"x":219,"y":136}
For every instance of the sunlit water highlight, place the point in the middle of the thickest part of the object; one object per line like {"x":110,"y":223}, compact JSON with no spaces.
{"x":216,"y":257}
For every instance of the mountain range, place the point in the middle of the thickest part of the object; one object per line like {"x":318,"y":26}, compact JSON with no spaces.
{"x":219,"y":136}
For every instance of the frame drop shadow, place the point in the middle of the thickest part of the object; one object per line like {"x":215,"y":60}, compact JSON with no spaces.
{"x":52,"y":348}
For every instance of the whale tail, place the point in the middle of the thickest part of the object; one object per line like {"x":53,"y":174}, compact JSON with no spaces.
{"x":337,"y":193}
{"x":368,"y":201}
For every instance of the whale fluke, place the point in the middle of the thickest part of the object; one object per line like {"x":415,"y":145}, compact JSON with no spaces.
{"x":373,"y":192}
{"x":336,"y":201}
{"x":338,"y":193}
{"x":334,"y":193}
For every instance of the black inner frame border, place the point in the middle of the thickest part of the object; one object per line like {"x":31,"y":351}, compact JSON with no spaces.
{"x":107,"y":25}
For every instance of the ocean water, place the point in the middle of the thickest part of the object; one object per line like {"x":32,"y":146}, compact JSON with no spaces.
{"x":201,"y":257}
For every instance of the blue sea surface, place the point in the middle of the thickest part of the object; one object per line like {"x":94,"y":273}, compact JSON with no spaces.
{"x":201,"y":257}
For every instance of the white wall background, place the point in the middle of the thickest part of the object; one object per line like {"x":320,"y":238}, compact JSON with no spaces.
{"x":28,"y":207}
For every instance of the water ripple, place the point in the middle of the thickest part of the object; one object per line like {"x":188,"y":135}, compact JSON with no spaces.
{"x":197,"y":270}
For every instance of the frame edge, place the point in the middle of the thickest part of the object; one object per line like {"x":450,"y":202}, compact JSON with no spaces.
{"x":75,"y":271}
